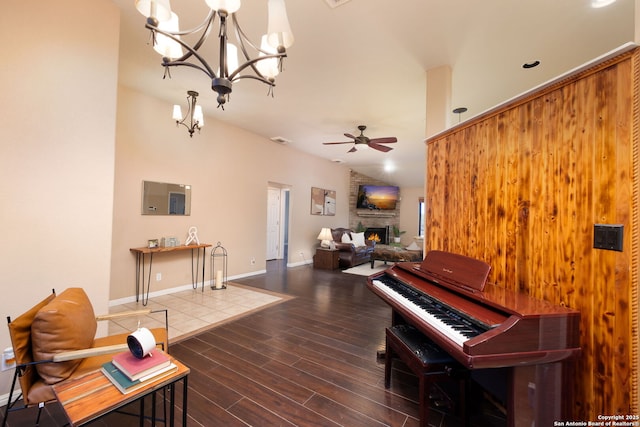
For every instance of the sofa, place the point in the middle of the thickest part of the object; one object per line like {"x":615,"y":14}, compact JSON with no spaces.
{"x":353,"y":248}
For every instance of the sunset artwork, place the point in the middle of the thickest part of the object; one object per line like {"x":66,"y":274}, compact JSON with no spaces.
{"x":377,"y":197}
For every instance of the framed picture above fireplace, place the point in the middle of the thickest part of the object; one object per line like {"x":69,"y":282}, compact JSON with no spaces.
{"x":377,"y":197}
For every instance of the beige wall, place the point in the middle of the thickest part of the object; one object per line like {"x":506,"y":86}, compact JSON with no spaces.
{"x":229,"y":170}
{"x":57,"y":127}
{"x":409,"y":213}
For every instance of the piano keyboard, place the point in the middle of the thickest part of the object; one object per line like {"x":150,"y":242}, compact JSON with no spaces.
{"x":449,"y":321}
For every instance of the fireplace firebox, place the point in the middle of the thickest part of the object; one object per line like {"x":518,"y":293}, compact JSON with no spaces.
{"x":380,"y":235}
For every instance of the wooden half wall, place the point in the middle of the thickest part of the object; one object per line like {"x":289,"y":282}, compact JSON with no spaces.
{"x":521,"y":187}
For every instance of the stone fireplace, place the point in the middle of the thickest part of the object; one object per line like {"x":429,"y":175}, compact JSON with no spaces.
{"x":378,"y":234}
{"x":371,"y":219}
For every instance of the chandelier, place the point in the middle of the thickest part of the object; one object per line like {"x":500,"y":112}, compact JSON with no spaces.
{"x":194,"y":114}
{"x":264,"y":66}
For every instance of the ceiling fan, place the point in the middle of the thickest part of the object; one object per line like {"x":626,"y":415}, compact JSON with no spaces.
{"x":371,"y":142}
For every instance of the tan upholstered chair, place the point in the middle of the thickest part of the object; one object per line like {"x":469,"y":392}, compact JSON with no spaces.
{"x":55,"y":340}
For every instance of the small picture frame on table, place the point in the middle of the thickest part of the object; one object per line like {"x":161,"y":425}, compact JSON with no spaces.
{"x":153,"y":243}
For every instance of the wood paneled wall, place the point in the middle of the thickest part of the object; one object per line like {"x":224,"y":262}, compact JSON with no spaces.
{"x":522,"y":186}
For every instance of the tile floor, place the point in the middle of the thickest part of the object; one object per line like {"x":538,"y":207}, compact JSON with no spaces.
{"x":194,"y":310}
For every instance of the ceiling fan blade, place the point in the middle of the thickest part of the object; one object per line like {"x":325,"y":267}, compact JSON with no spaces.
{"x":371,"y":142}
{"x":387,"y":140}
{"x":379,"y":147}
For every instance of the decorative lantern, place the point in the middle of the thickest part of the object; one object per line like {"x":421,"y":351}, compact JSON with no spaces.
{"x":218,"y":267}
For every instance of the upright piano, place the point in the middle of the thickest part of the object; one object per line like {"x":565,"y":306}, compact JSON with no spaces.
{"x":501,"y":335}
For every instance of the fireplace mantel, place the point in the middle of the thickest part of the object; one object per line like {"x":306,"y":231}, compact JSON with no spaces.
{"x":376,"y":214}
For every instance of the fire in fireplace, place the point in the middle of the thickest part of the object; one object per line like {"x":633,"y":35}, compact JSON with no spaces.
{"x":380,"y":235}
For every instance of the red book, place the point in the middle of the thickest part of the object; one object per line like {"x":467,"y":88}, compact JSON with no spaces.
{"x":135,"y":368}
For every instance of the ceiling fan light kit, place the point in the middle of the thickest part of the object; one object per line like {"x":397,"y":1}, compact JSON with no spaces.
{"x":374,"y":143}
{"x":264,"y":65}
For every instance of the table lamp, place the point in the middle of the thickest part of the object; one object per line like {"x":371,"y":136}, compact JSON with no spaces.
{"x":326,"y":238}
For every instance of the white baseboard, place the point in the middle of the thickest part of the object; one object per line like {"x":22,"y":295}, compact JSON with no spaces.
{"x":299,"y":263}
{"x":4,"y":399}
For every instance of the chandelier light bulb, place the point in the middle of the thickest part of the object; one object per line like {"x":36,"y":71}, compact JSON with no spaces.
{"x":198,"y":117}
{"x":177,"y":113}
{"x":164,"y":45}
{"x":158,"y":9}
{"x":267,"y":67}
{"x":231,"y":62}
{"x":229,"y":6}
{"x":278,"y":29}
{"x":232,"y":58}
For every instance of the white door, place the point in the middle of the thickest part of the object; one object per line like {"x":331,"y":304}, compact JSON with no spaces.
{"x":273,"y":223}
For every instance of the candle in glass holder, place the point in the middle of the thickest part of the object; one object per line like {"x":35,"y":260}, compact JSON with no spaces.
{"x":218,"y":279}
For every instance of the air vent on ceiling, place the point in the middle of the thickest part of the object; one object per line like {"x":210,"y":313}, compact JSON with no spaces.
{"x":280,"y":140}
{"x":335,"y":3}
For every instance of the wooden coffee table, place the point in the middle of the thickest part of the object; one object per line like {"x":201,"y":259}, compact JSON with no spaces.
{"x":92,"y":396}
{"x":394,"y":254}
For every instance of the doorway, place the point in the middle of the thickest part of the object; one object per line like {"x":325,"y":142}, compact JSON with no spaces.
{"x":277,"y":222}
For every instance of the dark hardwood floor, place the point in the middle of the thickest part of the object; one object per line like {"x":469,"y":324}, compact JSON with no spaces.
{"x":310,"y":361}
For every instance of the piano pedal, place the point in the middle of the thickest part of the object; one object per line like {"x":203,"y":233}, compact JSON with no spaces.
{"x":495,"y":403}
{"x":440,"y":398}
{"x":442,"y":404}
{"x":436,"y":395}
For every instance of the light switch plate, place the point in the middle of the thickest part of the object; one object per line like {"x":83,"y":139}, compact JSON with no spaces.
{"x":608,"y":236}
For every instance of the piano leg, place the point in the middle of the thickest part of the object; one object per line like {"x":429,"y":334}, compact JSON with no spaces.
{"x":538,"y":397}
{"x":388,"y":362}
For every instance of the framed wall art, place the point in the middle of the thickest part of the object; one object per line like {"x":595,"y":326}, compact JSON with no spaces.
{"x":323,"y":202}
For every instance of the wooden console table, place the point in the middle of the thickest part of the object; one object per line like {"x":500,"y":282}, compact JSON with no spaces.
{"x":92,"y":396}
{"x":140,"y":256}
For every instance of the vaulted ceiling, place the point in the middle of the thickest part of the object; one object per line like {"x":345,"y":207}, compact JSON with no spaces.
{"x":365,"y":62}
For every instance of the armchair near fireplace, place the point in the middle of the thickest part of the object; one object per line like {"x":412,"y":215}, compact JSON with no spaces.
{"x":353,"y":248}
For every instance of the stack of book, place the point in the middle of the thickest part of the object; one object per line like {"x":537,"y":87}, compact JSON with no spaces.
{"x":129,"y":373}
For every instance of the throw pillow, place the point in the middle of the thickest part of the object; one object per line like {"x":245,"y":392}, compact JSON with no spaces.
{"x":66,"y":323}
{"x":345,"y":238}
{"x":358,"y":239}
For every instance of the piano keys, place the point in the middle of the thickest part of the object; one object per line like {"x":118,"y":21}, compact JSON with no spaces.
{"x":452,"y":323}
{"x":484,"y":326}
